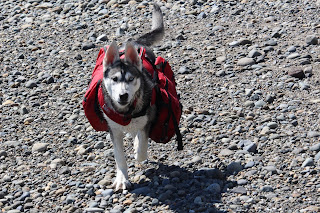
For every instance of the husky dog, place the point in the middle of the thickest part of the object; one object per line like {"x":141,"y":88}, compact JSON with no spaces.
{"x":127,"y":90}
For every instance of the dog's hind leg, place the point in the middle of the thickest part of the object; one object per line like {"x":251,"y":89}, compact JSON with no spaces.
{"x":121,"y":182}
{"x":141,"y":146}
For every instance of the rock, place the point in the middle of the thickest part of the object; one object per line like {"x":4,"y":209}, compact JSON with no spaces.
{"x":254,"y":53}
{"x":271,"y":42}
{"x":31,"y":84}
{"x":271,"y":169}
{"x":220,"y":73}
{"x":226,"y":152}
{"x":221,"y":59}
{"x":251,"y":148}
{"x":93,"y":210}
{"x":292,"y":49}
{"x":239,"y":190}
{"x":183,"y":70}
{"x":143,"y":190}
{"x":102,"y":37}
{"x":234,"y":167}
{"x":260,"y":104}
{"x":244,"y":41}
{"x":304,"y":86}
{"x":242,"y":182}
{"x":313,"y":134}
{"x":317,"y":157}
{"x":308,"y":162}
{"x":272,"y":125}
{"x":266,"y":188}
{"x":293,"y":56}
{"x":107,"y":192}
{"x":297,"y":73}
{"x":40,"y":147}
{"x":214,"y":188}
{"x":315,"y":148}
{"x":245,"y":62}
{"x":88,"y":46}
{"x":3,"y":153}
{"x":312,"y":39}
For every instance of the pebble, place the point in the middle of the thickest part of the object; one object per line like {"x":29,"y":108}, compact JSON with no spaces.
{"x":254,"y":53}
{"x":234,"y":167}
{"x":88,"y":46}
{"x":102,"y":37}
{"x":293,"y":56}
{"x":260,"y":104}
{"x":184,"y":70}
{"x":308,"y":162}
{"x":297,"y":73}
{"x":40,"y":147}
{"x":312,"y":39}
{"x":31,"y":84}
{"x":239,"y":190}
{"x":267,"y":188}
{"x":313,"y":134}
{"x":245,"y":62}
{"x":93,"y":210}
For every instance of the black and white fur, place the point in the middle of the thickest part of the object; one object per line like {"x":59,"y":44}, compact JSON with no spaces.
{"x":127,"y":88}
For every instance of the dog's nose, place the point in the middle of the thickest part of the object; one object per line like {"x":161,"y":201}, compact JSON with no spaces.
{"x":124,"y":97}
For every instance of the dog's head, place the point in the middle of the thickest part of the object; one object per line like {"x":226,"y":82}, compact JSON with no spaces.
{"x":122,"y":77}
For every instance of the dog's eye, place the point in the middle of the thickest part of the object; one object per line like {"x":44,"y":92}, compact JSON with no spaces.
{"x":115,"y":79}
{"x":131,"y":79}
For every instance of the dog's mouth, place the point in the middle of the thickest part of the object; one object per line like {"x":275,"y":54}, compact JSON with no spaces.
{"x":123,"y":103}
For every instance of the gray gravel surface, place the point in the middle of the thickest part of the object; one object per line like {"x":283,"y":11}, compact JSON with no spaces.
{"x":248,"y":75}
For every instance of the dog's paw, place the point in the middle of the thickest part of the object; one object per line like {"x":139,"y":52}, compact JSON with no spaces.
{"x":121,"y":183}
{"x":141,"y":156}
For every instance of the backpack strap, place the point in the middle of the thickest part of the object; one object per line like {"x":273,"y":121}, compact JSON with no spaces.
{"x":176,"y":127}
{"x":96,"y":102}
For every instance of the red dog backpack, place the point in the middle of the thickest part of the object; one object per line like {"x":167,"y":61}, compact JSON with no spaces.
{"x":164,"y":96}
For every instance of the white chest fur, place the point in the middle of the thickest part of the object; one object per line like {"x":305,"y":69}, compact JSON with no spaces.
{"x":133,"y":127}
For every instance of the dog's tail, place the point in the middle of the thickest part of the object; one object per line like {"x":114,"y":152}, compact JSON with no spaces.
{"x":157,"y":29}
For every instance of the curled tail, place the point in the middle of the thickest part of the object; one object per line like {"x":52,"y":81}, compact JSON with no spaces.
{"x":157,"y":29}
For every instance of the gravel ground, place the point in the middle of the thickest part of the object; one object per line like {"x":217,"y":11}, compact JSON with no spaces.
{"x":248,"y":75}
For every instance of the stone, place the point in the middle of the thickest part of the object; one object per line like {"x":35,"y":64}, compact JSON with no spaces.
{"x":239,"y":190}
{"x":234,"y":168}
{"x":31,"y":84}
{"x":184,"y":70}
{"x":3,"y":153}
{"x":88,"y":46}
{"x":313,"y":134}
{"x":272,"y":125}
{"x":254,"y":53}
{"x":40,"y":147}
{"x":214,"y":188}
{"x":260,"y":104}
{"x":142,"y":190}
{"x":266,"y":188}
{"x":297,"y":73}
{"x":245,"y":62}
{"x":312,"y":40}
{"x":221,"y":59}
{"x":292,"y":49}
{"x":93,"y":210}
{"x":293,"y":56}
{"x":102,"y":37}
{"x":308,"y":162}
{"x":226,"y":152}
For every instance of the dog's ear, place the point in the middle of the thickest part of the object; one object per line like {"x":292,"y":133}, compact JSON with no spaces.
{"x":132,"y":56}
{"x":112,"y":54}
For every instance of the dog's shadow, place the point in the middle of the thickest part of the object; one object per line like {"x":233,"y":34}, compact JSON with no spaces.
{"x":180,"y":189}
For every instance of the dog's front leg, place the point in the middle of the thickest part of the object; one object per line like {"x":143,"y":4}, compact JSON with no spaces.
{"x":141,"y":146}
{"x":121,"y":181}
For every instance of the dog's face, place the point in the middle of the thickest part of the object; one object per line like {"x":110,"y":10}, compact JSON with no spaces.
{"x":122,"y":76}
